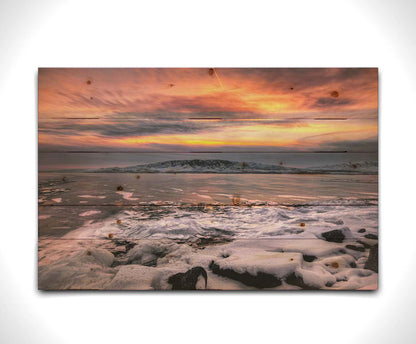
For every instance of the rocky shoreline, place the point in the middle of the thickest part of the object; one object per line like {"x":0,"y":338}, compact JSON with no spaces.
{"x":332,"y":262}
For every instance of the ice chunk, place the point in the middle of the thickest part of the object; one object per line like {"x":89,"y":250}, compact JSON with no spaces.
{"x":153,"y":253}
{"x":337,"y":263}
{"x":90,"y":212}
{"x":356,"y":279}
{"x":91,"y":196}
{"x":315,"y":277}
{"x":133,"y":277}
{"x":88,"y":269}
{"x":127,"y":195}
{"x":103,"y":256}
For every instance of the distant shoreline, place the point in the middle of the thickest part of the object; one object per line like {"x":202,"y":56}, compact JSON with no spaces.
{"x":218,"y":166}
{"x":211,"y":172}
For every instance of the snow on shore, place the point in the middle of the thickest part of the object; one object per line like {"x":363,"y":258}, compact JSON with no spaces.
{"x":321,"y":247}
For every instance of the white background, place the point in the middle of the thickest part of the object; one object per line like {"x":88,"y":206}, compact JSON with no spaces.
{"x":212,"y":33}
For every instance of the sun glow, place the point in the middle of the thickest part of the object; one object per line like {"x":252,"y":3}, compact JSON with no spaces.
{"x":205,"y":107}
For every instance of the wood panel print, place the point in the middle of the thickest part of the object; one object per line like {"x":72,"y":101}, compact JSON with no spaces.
{"x":208,"y":179}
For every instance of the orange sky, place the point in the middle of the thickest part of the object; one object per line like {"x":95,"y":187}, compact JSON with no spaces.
{"x":182,"y":109}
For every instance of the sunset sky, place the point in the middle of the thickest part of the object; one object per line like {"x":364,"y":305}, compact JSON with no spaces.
{"x":208,"y":109}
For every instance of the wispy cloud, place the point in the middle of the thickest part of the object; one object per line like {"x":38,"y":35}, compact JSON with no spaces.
{"x":145,"y":108}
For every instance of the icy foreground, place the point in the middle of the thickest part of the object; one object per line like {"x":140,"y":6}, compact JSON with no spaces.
{"x":320,"y":247}
{"x":226,"y":166}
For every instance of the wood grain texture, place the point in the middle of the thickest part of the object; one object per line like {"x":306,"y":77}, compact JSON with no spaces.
{"x":254,"y":178}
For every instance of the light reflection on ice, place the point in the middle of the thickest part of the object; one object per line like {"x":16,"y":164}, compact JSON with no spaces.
{"x":90,"y":212}
{"x":91,"y":196}
{"x":127,"y":195}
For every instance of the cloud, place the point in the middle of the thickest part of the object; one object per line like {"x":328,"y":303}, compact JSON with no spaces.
{"x":129,"y":124}
{"x":254,"y":105}
{"x":366,"y":145}
{"x":331,"y":102}
{"x":258,"y":90}
{"x":118,"y":128}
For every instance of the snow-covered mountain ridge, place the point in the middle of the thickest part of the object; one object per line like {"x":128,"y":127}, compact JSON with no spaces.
{"x":226,"y":166}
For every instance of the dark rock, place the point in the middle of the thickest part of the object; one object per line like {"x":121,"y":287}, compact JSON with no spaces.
{"x":361,"y":230}
{"x":296,"y":280}
{"x":151,"y":262}
{"x":309,"y":258}
{"x":128,"y":244}
{"x":120,"y":251}
{"x":261,"y":280}
{"x":119,"y":261}
{"x":208,"y":241}
{"x":120,"y":188}
{"x":157,"y":253}
{"x":372,"y":261}
{"x":335,"y":235}
{"x":364,"y":244}
{"x":353,"y":265}
{"x":371,"y":236}
{"x":188,"y":280}
{"x":356,"y":248}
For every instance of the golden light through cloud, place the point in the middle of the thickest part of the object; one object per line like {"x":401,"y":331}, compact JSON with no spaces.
{"x":165,"y":108}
